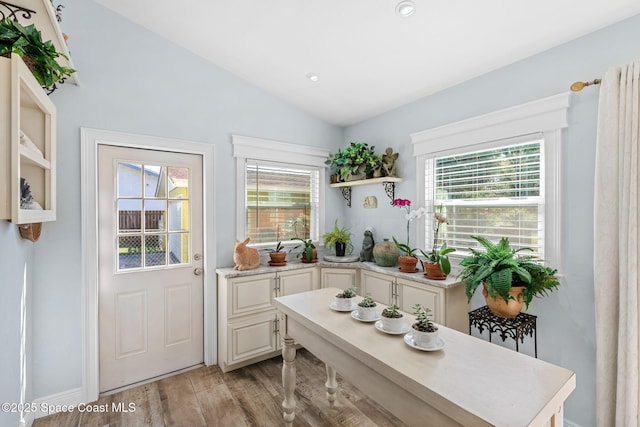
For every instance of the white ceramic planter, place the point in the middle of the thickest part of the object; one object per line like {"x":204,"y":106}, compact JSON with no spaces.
{"x":425,"y":339}
{"x":343,"y":303}
{"x":367,"y":313}
{"x":392,"y":324}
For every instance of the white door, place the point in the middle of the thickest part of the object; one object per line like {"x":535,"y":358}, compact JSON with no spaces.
{"x":150,"y":263}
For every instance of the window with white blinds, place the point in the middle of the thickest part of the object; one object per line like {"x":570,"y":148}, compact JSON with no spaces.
{"x":494,"y":193}
{"x":281,"y":202}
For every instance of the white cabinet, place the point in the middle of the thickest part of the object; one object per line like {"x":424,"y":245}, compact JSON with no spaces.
{"x":448,"y":304}
{"x":27,"y":144}
{"x":342,"y":278}
{"x":248,"y":324}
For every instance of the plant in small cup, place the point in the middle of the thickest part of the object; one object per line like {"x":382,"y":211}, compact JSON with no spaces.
{"x":367,"y":308}
{"x":407,"y":262}
{"x":340,"y":238}
{"x":425,"y":332}
{"x":308,"y":253}
{"x":437,"y":264}
{"x":392,"y":319}
{"x":277,"y":254}
{"x":344,"y":300}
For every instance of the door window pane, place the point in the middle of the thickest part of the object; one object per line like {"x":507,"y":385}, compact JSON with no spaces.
{"x":155,"y":250}
{"x":129,"y":180}
{"x":129,"y":252}
{"x":178,"y":185}
{"x":153,"y":182}
{"x":155,"y":215}
{"x":178,"y":215}
{"x":178,"y":248}
{"x":129,"y":216}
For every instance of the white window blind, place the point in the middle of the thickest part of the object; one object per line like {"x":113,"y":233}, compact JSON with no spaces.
{"x":496,"y":192}
{"x":281,"y":202}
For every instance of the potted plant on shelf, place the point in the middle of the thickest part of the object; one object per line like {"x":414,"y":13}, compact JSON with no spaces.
{"x":344,"y":300}
{"x":407,"y":262}
{"x":356,"y":162}
{"x":367,"y":308}
{"x":437,"y":265}
{"x":308,"y":252}
{"x":392,"y":319}
{"x":510,"y":280}
{"x":340,"y":238}
{"x":425,"y":332}
{"x":278,"y":255}
{"x":40,"y":56}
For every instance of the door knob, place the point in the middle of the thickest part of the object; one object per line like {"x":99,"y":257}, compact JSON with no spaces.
{"x":198,"y":271}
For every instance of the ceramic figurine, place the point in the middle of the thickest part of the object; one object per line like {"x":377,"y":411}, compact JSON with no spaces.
{"x":246,"y":258}
{"x":366,"y":254}
{"x":389,"y":162}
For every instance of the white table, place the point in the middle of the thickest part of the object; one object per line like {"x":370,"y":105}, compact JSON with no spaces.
{"x":469,"y":382}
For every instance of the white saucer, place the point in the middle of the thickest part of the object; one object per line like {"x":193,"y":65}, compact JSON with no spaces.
{"x":333,"y":307}
{"x":408,"y":339}
{"x":405,"y":328}
{"x":355,"y":313}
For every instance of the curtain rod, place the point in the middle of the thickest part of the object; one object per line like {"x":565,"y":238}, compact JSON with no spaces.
{"x":578,"y":86}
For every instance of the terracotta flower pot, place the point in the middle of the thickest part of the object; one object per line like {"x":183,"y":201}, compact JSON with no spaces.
{"x":433,"y":271}
{"x":303,"y":258}
{"x":407,"y":264}
{"x":500,"y":307}
{"x":278,"y":257}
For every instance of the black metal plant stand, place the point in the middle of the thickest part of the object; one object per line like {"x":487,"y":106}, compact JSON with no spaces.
{"x":517,"y":328}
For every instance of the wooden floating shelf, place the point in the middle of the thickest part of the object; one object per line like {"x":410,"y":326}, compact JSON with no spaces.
{"x":389,"y":183}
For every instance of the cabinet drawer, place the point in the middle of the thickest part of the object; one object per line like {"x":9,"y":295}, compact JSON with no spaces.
{"x":295,"y":281}
{"x":251,"y":338}
{"x":342,"y":278}
{"x":425,"y":295}
{"x":379,"y":286}
{"x":249,"y":295}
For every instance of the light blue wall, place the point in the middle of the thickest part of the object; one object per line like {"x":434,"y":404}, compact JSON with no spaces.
{"x":566,"y":318}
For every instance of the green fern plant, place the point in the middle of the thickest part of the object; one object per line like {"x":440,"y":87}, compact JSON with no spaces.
{"x":501,"y":267}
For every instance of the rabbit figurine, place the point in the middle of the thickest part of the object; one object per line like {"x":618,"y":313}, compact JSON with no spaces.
{"x":244,"y":257}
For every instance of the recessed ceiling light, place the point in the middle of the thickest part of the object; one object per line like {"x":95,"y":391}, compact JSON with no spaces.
{"x":405,"y":8}
{"x":313,"y":77}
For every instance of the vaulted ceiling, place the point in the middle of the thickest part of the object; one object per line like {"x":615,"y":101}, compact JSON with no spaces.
{"x":367,"y":58}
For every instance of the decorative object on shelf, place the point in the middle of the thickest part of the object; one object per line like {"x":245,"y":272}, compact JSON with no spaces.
{"x":407,"y":262}
{"x":366,"y":254}
{"x":370,"y":202}
{"x":30,"y":231}
{"x":344,"y":300}
{"x":385,"y":253}
{"x":515,"y":328}
{"x":389,"y":162}
{"x":26,"y":199}
{"x":308,"y":252}
{"x":437,"y":265}
{"x":277,"y":255}
{"x":389,"y":184}
{"x":40,"y":56}
{"x":392,"y":319}
{"x":367,"y":308}
{"x":340,"y":238}
{"x":245,"y":258}
{"x":502,"y":269}
{"x":356,"y":162}
{"x":425,"y":333}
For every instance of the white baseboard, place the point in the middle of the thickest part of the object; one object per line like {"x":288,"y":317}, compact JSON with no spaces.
{"x":52,"y":404}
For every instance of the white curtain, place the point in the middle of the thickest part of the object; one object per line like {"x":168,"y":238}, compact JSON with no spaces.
{"x":616,"y":248}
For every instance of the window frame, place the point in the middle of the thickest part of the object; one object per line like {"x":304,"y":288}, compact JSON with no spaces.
{"x":545,"y":117}
{"x":265,"y":150}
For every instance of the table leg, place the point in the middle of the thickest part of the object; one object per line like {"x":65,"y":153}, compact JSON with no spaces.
{"x":289,"y":380}
{"x":331,"y":384}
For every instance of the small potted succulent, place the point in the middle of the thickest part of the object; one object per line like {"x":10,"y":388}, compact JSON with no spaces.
{"x":278,"y":255}
{"x":367,"y":308}
{"x":425,"y":332}
{"x":308,"y":252}
{"x":344,"y":300}
{"x":392,"y":319}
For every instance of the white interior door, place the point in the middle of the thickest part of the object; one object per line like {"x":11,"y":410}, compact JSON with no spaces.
{"x":150,"y":250}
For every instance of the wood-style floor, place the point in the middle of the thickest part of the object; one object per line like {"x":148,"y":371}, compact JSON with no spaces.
{"x":250,"y":396}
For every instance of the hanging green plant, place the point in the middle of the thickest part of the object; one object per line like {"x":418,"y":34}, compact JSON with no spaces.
{"x":38,"y":54}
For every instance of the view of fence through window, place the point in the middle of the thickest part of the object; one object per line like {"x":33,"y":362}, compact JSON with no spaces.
{"x":281,"y":203}
{"x":153,"y":216}
{"x":492,"y":193}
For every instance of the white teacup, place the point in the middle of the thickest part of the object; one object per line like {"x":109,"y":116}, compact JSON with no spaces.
{"x":425,"y":339}
{"x":343,"y":303}
{"x":390,"y":324}
{"x":367,"y":313}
